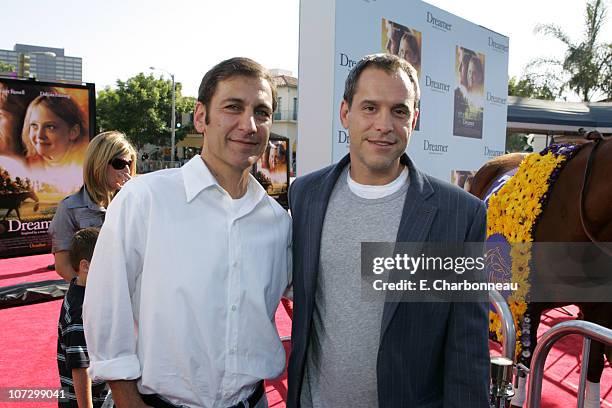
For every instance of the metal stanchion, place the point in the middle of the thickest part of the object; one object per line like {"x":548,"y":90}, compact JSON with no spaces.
{"x":502,"y":367}
{"x":586,"y":351}
{"x":508,"y":331}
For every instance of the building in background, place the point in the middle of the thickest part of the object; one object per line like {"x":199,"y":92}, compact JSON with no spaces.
{"x":286,"y":115}
{"x":43,"y":63}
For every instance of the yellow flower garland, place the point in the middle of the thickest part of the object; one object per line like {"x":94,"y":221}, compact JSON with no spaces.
{"x":512,"y":212}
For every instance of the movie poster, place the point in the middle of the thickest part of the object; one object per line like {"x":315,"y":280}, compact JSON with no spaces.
{"x":469,"y":94}
{"x":272,"y":169}
{"x":44,"y":131}
{"x":463,"y":178}
{"x":404,"y":42}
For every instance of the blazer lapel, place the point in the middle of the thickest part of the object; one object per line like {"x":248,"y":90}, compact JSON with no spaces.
{"x":318,"y":198}
{"x":417,"y":217}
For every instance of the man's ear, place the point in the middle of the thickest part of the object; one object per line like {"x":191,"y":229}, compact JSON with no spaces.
{"x":416,"y":116}
{"x":344,"y":113}
{"x":199,"y":117}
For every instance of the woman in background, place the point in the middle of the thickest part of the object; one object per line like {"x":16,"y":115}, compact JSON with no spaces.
{"x":110,"y":161}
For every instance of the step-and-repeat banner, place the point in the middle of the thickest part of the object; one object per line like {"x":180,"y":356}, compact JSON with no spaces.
{"x":463,"y":76}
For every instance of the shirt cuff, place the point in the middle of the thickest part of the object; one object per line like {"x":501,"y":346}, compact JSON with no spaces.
{"x":121,"y":368}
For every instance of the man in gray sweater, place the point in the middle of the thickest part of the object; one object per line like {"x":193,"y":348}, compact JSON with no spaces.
{"x":348,"y":352}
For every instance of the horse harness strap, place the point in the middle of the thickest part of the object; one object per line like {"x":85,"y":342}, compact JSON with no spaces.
{"x":583,"y":193}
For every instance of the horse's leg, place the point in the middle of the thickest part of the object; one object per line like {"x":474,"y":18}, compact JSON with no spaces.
{"x":598,"y":313}
{"x":7,"y":214}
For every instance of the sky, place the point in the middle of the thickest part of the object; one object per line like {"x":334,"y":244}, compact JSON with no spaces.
{"x":118,"y":39}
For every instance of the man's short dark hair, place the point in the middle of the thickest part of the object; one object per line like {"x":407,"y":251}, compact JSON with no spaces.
{"x":82,"y":246}
{"x":230,"y":68}
{"x":386,"y":62}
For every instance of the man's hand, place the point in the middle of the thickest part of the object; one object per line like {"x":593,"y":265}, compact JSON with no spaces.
{"x":126,"y":395}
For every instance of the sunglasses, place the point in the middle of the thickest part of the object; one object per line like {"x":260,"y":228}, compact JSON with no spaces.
{"x":119,"y":164}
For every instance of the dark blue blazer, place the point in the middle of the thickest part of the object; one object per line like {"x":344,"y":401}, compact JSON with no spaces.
{"x":430,"y":354}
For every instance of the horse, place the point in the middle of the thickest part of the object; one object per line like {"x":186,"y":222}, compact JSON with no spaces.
{"x":579,"y":209}
{"x":12,"y":202}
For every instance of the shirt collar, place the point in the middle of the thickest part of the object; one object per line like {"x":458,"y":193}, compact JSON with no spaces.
{"x":197,"y":177}
{"x":84,"y":200}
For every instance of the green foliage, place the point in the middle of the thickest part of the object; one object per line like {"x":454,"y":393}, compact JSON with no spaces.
{"x":516,"y":142}
{"x":586,"y":67}
{"x":528,"y":87}
{"x":141,"y":107}
{"x":4,"y":67}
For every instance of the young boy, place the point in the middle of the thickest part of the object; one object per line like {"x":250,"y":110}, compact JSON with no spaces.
{"x":72,"y":357}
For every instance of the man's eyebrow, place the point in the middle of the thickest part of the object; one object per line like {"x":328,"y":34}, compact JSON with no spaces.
{"x":400,"y":105}
{"x":368,"y":102}
{"x":233,"y":100}
{"x":242,"y":102}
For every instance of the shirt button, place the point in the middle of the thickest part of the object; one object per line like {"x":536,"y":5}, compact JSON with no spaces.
{"x":233,"y":308}
{"x":235,"y":264}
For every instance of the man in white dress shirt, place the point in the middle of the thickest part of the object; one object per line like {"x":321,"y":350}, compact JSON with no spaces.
{"x":191,"y":264}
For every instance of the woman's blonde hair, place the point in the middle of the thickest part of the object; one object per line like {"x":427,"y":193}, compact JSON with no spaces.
{"x":101,"y":151}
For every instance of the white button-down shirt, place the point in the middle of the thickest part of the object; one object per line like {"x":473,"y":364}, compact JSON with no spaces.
{"x":183,"y":287}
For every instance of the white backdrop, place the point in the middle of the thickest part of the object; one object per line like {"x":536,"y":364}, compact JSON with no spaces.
{"x":334,"y":34}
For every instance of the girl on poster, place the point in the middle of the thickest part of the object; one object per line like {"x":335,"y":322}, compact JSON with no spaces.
{"x":55,"y":132}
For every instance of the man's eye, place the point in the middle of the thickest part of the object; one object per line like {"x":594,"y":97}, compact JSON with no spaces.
{"x":368,"y":108}
{"x":401,"y":112}
{"x":263,"y":113}
{"x":233,"y":107}
{"x":51,"y":127}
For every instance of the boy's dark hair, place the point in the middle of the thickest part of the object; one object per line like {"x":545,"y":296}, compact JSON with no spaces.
{"x":82,"y":246}
{"x":231,"y":68}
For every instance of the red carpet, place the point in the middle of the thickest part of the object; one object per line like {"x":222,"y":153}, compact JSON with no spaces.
{"x":28,"y":341}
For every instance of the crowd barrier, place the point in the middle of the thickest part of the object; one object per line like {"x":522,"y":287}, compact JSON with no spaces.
{"x":589,"y":331}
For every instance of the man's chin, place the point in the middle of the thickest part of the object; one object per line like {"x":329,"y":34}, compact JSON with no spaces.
{"x":245,"y":163}
{"x":381,"y":164}
{"x":249,"y":157}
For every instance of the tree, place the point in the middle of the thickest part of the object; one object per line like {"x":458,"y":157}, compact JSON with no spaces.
{"x":528,"y":87}
{"x":516,"y":142}
{"x":607,"y":74}
{"x":4,"y":67}
{"x":587,"y":65}
{"x":141,"y":107}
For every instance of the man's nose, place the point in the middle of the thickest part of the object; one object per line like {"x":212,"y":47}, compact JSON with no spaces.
{"x":384,"y":122}
{"x":247,"y":123}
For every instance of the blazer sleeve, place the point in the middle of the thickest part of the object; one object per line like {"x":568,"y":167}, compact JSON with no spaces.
{"x":466,"y":354}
